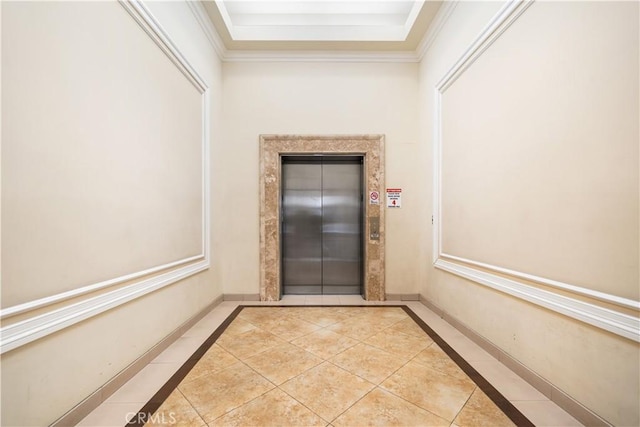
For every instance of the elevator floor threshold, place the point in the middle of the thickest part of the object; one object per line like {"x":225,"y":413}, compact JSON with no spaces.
{"x":322,"y":290}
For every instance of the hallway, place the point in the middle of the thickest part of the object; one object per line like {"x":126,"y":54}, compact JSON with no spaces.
{"x":144,"y":199}
{"x":342,"y":364}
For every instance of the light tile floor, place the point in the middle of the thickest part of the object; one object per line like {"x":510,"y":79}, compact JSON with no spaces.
{"x":325,"y":366}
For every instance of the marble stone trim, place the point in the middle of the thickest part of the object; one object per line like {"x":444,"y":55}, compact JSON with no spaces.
{"x":272,"y":148}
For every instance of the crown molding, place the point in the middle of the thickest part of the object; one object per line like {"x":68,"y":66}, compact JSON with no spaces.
{"x":435,"y":27}
{"x":314,"y":21}
{"x":319,"y":56}
{"x":209,"y":30}
{"x":409,"y":56}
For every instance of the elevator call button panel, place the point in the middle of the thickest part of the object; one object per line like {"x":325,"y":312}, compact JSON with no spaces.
{"x":374,"y":228}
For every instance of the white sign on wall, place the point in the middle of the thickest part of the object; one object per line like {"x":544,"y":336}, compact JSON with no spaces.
{"x":374,"y":198}
{"x":394,"y":197}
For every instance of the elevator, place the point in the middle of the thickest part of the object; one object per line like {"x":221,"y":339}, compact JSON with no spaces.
{"x":322,"y":224}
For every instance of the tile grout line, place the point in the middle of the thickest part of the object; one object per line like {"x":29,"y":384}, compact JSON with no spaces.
{"x":498,"y":398}
{"x":377,"y":386}
{"x":353,"y":404}
{"x":201,"y":416}
{"x":327,"y":360}
{"x":380,"y":387}
{"x":250,"y":400}
{"x":162,"y":394}
{"x":410,"y":402}
{"x":465,"y":404}
{"x":276,"y":386}
{"x":301,"y":403}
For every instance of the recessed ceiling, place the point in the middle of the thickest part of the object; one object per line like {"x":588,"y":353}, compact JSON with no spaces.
{"x":313,"y":20}
{"x":384,"y":25}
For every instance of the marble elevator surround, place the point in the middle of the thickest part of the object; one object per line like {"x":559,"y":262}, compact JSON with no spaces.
{"x":272,"y":148}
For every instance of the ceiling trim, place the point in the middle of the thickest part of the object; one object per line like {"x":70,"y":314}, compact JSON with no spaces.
{"x":435,"y":27}
{"x":319,"y":21}
{"x":319,"y":56}
{"x":207,"y":27}
{"x":412,"y":56}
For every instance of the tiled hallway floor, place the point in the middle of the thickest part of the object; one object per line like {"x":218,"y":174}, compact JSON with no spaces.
{"x":318,"y":366}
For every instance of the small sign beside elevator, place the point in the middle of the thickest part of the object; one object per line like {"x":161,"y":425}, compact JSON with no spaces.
{"x":394,"y":197}
{"x":374,"y":198}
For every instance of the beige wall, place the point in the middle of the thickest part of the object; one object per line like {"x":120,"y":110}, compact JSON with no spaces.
{"x":539,"y":155}
{"x":540,"y":176}
{"x":596,"y":141}
{"x":101,"y":177}
{"x":86,"y":186}
{"x":319,"y":98}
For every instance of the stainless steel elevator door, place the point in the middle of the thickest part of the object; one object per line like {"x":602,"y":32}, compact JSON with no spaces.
{"x":322,"y":225}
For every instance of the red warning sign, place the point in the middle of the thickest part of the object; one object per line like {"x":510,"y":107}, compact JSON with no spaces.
{"x":374,"y":198}
{"x":394,"y":197}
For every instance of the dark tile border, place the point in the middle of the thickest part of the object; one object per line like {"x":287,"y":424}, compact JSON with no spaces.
{"x":551,"y":391}
{"x":98,"y":397}
{"x":496,"y":397}
{"x":501,"y":402}
{"x":156,"y":401}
